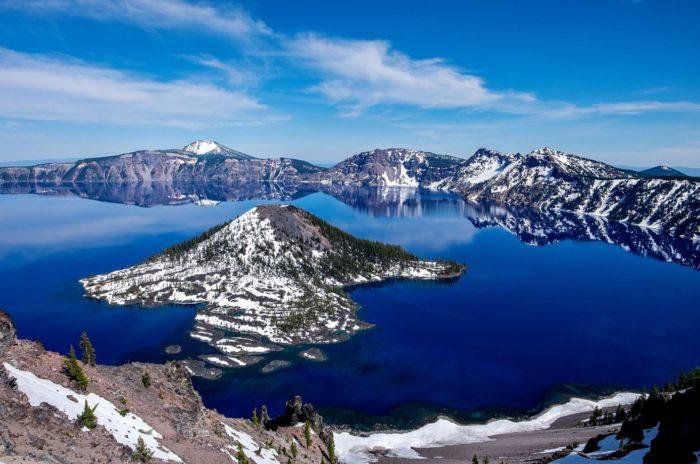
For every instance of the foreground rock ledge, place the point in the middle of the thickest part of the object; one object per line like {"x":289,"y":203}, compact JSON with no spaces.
{"x":169,"y":415}
{"x":274,"y":275}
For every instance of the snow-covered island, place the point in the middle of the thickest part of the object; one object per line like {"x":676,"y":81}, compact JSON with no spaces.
{"x":274,"y":275}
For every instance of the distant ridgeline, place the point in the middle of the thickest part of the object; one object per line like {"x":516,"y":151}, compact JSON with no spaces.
{"x":275,"y":275}
{"x":660,"y":199}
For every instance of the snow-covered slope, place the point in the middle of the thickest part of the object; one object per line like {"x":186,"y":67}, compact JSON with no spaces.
{"x":210,"y":147}
{"x":354,"y":449}
{"x":40,"y":405}
{"x":547,"y":179}
{"x":480,"y":167}
{"x":275,"y":273}
{"x":126,"y":429}
{"x":392,"y":167}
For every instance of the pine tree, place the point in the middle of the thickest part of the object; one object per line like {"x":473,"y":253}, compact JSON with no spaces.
{"x":74,"y":372}
{"x":255,"y":418}
{"x":307,"y":433}
{"x":475,"y":460}
{"x":89,"y":357}
{"x":146,"y":379}
{"x":87,"y":418}
{"x":637,"y":406}
{"x":142,"y":453}
{"x":240,"y":455}
{"x":486,"y":460}
{"x":330,"y":444}
{"x":294,"y":449}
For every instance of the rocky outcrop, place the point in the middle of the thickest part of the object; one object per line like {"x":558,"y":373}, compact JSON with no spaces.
{"x":298,"y":412}
{"x":274,"y":275}
{"x":8,"y":332}
{"x":37,"y":424}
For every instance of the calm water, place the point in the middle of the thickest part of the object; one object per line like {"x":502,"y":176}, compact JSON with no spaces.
{"x":524,"y":323}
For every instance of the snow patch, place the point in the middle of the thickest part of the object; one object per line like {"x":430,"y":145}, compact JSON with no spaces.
{"x":125,"y":429}
{"x":253,"y":451}
{"x":354,"y":449}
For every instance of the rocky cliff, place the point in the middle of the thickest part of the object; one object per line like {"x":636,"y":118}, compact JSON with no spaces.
{"x":39,"y":408}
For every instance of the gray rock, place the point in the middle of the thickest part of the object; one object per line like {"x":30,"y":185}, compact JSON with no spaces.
{"x":275,"y":365}
{"x":8,"y":334}
{"x":313,"y":354}
{"x":173,"y":349}
{"x":197,"y":368}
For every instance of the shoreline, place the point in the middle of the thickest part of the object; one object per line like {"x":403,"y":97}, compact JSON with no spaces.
{"x":499,"y":438}
{"x":407,"y":416}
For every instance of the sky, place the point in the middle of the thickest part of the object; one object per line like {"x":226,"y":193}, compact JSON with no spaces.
{"x":615,"y":80}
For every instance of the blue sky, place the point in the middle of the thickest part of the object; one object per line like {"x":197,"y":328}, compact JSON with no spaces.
{"x":615,"y":80}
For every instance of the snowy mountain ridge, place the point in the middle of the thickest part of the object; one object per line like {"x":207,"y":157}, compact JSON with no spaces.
{"x":548,"y":179}
{"x":198,"y":162}
{"x":274,"y":275}
{"x":542,"y":179}
{"x":391,"y":167}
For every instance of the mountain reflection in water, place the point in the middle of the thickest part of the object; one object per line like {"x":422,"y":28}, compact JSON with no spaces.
{"x":534,"y":227}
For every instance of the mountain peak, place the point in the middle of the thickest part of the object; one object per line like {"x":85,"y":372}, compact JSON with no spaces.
{"x":483,"y":151}
{"x":211,"y":147}
{"x":548,"y":151}
{"x":662,"y":171}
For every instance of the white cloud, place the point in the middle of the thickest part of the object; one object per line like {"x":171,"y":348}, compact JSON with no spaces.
{"x":37,"y":87}
{"x":152,"y":14}
{"x":623,"y":108}
{"x":358,"y":74}
{"x":354,"y":75}
{"x":362,"y":73}
{"x":654,"y":90}
{"x":238,"y":74}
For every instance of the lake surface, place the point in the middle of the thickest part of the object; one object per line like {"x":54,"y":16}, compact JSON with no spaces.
{"x":525,"y":325}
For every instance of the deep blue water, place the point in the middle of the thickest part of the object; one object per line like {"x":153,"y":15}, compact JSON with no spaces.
{"x":523,"y":322}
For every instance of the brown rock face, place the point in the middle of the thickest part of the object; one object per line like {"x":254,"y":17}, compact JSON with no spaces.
{"x":7,"y":332}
